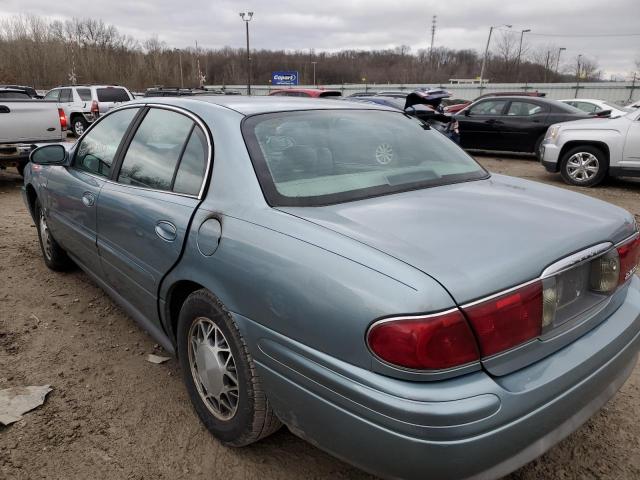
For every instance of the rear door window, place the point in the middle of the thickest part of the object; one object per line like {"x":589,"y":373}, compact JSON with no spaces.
{"x":157,"y":145}
{"x":489,"y":107}
{"x":112,"y":94}
{"x":98,"y":148}
{"x":524,"y":109}
{"x":84,"y":94}
{"x":66,"y":96}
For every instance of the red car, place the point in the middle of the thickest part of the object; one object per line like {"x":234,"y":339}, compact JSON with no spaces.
{"x":307,"y":92}
{"x":459,"y":106}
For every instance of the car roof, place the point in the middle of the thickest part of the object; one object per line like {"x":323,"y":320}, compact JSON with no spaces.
{"x":263,"y":104}
{"x":517,"y":97}
{"x":305,"y":90}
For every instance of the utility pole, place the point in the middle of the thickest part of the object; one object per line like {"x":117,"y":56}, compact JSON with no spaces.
{"x":433,"y":34}
{"x":180,"y":61}
{"x":578,"y":68}
{"x":546,"y":65}
{"x":560,"y":50}
{"x":486,"y":53}
{"x":522,"y":32}
{"x":246,"y":18}
{"x":314,"y":74}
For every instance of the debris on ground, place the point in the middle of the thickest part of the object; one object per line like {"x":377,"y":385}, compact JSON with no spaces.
{"x":157,"y":358}
{"x":16,"y":401}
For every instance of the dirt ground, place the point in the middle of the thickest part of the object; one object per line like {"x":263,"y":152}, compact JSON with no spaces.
{"x":113,"y":415}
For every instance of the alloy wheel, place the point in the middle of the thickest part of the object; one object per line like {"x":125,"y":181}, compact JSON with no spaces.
{"x":213,"y":368}
{"x":78,"y":128}
{"x":582,"y":166}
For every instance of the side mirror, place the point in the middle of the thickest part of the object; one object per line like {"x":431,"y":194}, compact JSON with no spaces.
{"x":49,"y":155}
{"x":467,"y":113}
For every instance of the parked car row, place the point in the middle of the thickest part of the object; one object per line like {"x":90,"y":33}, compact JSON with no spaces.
{"x":352,"y":274}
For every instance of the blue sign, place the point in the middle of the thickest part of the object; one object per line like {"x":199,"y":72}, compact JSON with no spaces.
{"x":284,"y":78}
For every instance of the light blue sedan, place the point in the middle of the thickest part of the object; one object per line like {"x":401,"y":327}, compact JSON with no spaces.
{"x":344,"y":270}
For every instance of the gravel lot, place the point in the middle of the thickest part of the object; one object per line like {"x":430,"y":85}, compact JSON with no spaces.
{"x":114,"y":415}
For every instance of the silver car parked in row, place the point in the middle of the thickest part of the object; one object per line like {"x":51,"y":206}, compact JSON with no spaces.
{"x":410,"y":312}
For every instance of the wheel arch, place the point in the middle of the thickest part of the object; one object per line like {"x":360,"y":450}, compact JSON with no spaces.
{"x":602,"y":146}
{"x":32,"y":196}
{"x":176,"y":296}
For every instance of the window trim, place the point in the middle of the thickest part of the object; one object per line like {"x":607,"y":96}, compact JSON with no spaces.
{"x":126,"y":140}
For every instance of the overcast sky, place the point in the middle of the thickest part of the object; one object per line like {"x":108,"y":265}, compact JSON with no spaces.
{"x":364,"y":24}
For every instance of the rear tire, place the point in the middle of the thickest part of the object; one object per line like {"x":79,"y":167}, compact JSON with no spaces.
{"x":54,"y":256}
{"x":78,"y":125}
{"x":584,"y":166}
{"x":220,"y":374}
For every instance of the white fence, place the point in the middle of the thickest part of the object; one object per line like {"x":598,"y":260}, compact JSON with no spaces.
{"x":619,"y":92}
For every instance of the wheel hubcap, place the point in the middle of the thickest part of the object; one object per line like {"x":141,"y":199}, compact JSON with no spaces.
{"x":45,"y":236}
{"x":213,"y":368}
{"x":582,"y":166}
{"x":384,"y":154}
{"x":79,"y":128}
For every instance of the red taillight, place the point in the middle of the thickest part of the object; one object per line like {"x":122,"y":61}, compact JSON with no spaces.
{"x":432,"y":342}
{"x":508,"y":320}
{"x":94,"y":107}
{"x":629,"y":259}
{"x":63,"y":119}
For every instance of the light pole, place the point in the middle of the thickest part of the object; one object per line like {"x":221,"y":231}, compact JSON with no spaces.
{"x":246,"y":18}
{"x":314,"y":73}
{"x":560,"y":50}
{"x":180,"y":62}
{"x":578,"y":68}
{"x":522,"y":32}
{"x":486,"y":52}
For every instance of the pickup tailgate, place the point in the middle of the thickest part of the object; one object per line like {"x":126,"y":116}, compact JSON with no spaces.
{"x":29,"y":121}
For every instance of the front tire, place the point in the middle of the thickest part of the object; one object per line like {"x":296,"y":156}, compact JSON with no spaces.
{"x":584,"y":166}
{"x":54,"y":256}
{"x":220,"y":374}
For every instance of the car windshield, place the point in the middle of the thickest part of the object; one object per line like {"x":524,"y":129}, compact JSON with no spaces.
{"x":320,"y":157}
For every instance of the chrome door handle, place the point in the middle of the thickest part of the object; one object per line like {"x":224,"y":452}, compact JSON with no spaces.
{"x":166,"y":230}
{"x":88,"y":199}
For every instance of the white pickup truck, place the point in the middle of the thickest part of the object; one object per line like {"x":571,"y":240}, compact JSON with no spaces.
{"x":25,"y":124}
{"x":586,"y":151}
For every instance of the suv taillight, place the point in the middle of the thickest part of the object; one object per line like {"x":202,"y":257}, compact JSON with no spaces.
{"x":63,"y":119}
{"x":629,"y":253}
{"x":94,"y":107}
{"x":430,"y":342}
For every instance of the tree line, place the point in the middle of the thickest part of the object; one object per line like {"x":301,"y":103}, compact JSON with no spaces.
{"x":45,"y":53}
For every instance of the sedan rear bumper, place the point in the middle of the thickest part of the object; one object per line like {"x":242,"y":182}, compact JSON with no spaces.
{"x":474,"y":426}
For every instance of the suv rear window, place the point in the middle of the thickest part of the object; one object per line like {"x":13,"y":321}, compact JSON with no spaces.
{"x":14,"y":95}
{"x":112,"y":94}
{"x":84,"y":93}
{"x":320,"y":157}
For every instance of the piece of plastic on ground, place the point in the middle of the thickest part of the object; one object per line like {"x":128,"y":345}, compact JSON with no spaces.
{"x":16,"y":401}
{"x":157,"y":358}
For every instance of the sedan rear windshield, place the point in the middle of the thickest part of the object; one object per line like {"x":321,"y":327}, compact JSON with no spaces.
{"x":111,"y":94}
{"x":321,"y":157}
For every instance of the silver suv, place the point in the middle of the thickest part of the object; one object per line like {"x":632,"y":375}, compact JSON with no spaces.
{"x":83,"y":104}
